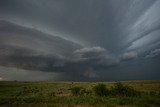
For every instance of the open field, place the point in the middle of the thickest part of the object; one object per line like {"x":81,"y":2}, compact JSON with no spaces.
{"x":48,"y":94}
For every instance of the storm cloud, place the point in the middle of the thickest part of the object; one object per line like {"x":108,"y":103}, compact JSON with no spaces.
{"x":96,"y":55}
{"x":153,"y":53}
{"x":129,"y":56}
{"x":81,"y":40}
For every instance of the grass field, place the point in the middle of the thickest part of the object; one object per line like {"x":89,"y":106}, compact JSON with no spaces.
{"x":50,"y":94}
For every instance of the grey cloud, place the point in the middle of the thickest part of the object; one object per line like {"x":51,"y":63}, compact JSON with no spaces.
{"x":28,"y":38}
{"x":146,"y":41}
{"x":31,"y":49}
{"x":153,"y":53}
{"x":90,"y":50}
{"x":12,"y":73}
{"x":89,"y":53}
{"x":129,"y":56}
{"x":61,"y":37}
{"x":80,"y":19}
{"x":95,"y":55}
{"x":86,"y":62}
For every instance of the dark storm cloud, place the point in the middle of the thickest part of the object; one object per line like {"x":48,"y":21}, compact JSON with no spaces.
{"x":153,"y":53}
{"x":100,"y":19}
{"x":86,"y":54}
{"x":96,"y":55}
{"x":129,"y":56}
{"x":31,"y":49}
{"x":27,"y":38}
{"x":82,"y":39}
{"x":11,"y":73}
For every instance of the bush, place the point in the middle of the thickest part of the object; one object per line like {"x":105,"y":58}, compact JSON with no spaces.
{"x":152,"y":93}
{"x":120,"y":90}
{"x":76,"y":91}
{"x":101,"y":90}
{"x":86,"y":92}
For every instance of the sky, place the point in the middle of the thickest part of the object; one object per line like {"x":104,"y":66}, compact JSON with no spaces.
{"x":79,"y":40}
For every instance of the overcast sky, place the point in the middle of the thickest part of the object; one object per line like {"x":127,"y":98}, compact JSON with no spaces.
{"x":79,"y":40}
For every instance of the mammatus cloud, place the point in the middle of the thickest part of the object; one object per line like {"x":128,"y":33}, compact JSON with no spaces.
{"x":129,"y":56}
{"x":153,"y":53}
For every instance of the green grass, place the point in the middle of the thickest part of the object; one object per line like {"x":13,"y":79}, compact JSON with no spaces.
{"x":48,"y":93}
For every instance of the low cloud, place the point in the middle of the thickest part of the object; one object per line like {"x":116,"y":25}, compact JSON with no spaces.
{"x":129,"y":56}
{"x":153,"y":53}
{"x":86,"y":62}
{"x":12,"y":73}
{"x":95,"y":55}
{"x":92,"y":50}
{"x":89,"y":53}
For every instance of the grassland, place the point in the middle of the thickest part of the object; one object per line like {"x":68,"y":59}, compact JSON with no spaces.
{"x":50,"y":94}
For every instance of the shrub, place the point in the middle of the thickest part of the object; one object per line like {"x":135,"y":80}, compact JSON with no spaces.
{"x":85,"y":92}
{"x":76,"y":91}
{"x":28,"y":90}
{"x":101,"y":90}
{"x":120,"y":90}
{"x":152,"y":93}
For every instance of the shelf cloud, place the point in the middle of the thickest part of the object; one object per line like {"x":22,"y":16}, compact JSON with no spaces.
{"x":82,"y":40}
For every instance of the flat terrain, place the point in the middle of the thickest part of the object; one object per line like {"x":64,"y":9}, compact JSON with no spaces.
{"x":49,"y":94}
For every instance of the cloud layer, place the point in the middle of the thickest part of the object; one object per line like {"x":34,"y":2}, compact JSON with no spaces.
{"x":80,"y":40}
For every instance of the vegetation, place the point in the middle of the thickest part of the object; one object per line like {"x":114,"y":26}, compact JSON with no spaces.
{"x":136,"y":93}
{"x":101,"y":90}
{"x":77,"y":91}
{"x":120,"y":90}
